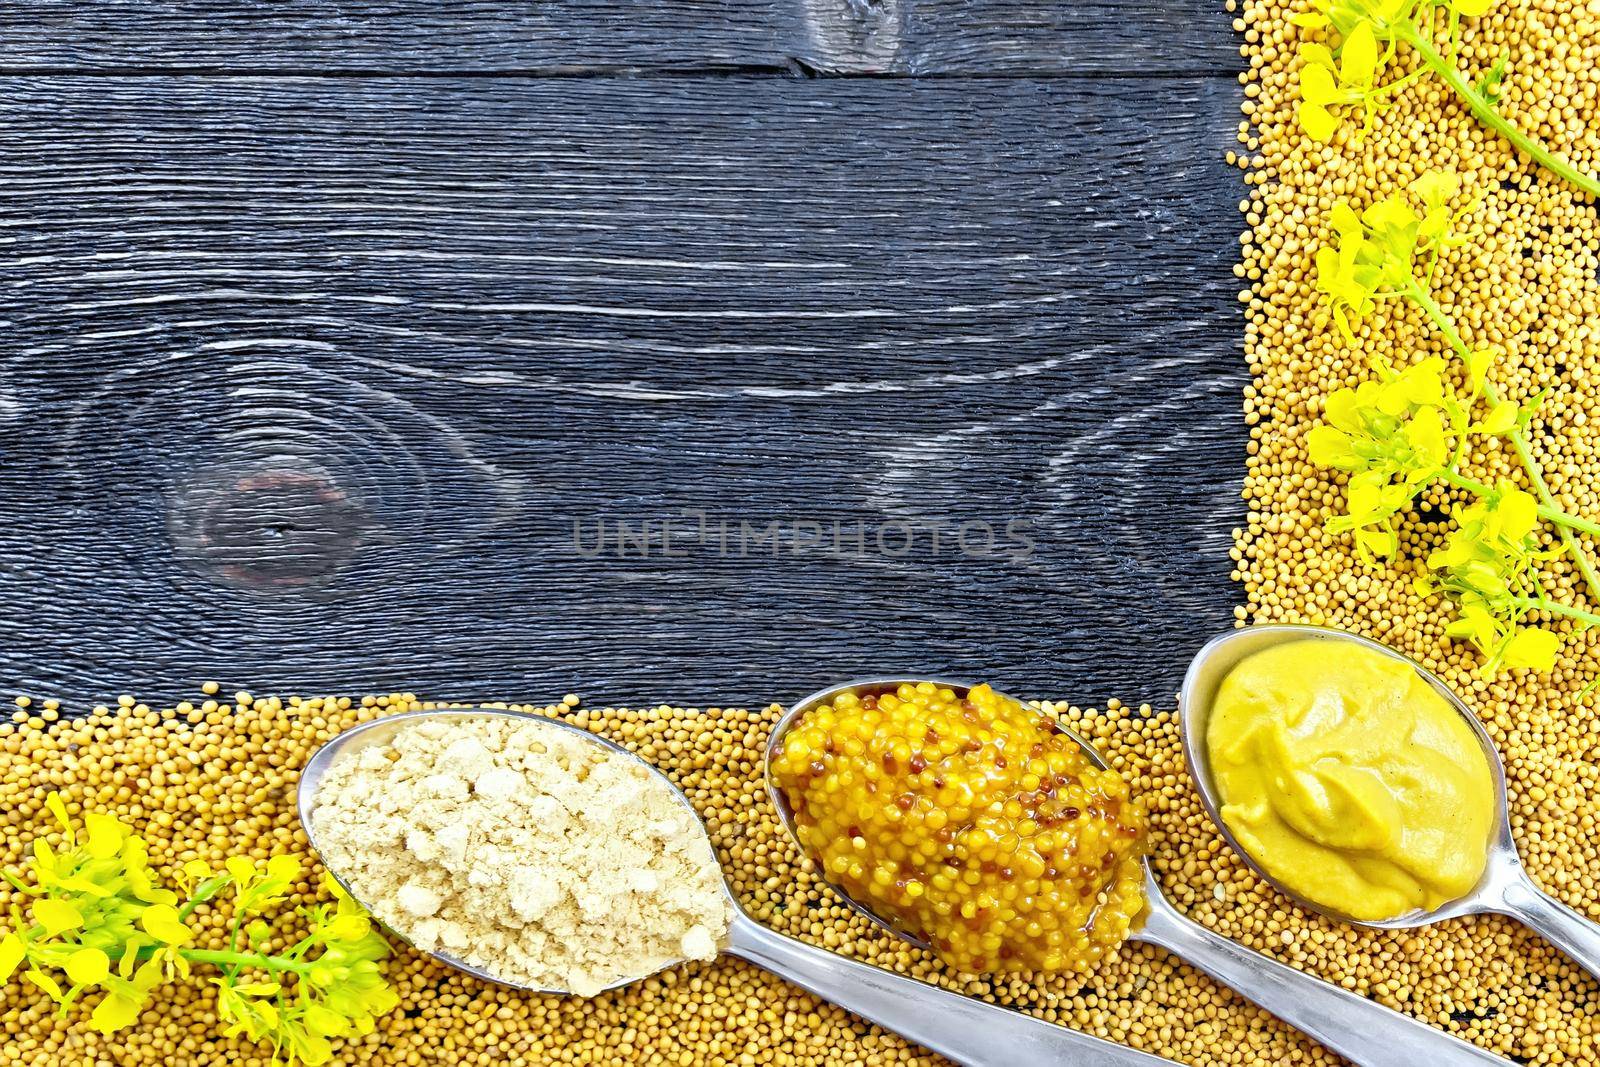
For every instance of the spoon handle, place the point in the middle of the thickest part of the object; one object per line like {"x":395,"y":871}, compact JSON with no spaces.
{"x":959,"y":1027}
{"x":1564,"y":928}
{"x":1353,"y":1026}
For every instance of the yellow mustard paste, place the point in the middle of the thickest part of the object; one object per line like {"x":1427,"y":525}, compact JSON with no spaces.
{"x":1350,"y":779}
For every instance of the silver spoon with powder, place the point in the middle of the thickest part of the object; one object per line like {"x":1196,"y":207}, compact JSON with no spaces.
{"x":965,"y":1029}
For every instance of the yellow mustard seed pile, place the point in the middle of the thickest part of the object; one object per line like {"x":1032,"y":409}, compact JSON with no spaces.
{"x":974,"y":823}
{"x":211,"y":780}
{"x":1526,"y":284}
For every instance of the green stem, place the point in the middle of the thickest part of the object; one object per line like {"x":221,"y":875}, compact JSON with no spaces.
{"x":236,"y":959}
{"x":1550,"y":514}
{"x":1461,"y":481}
{"x":1400,"y":83}
{"x":1547,"y":501}
{"x":233,"y":942}
{"x":1553,"y":608}
{"x":1441,"y":320}
{"x":202,"y":894}
{"x":1561,"y":518}
{"x":1486,"y":113}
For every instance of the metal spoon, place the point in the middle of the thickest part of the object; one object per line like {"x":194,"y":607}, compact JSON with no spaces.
{"x":1505,"y":887}
{"x":1353,"y":1026}
{"x":962,"y":1028}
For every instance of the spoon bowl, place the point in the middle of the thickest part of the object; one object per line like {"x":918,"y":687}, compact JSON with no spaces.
{"x":962,"y":1028}
{"x":380,"y":732}
{"x":863,"y":687}
{"x":1504,"y":888}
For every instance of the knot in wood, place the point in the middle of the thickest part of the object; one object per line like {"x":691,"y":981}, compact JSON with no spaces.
{"x":268,"y":527}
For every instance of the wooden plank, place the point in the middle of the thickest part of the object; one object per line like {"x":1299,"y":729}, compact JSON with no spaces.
{"x":575,"y":36}
{"x":1083,"y":39}
{"x":308,"y":383}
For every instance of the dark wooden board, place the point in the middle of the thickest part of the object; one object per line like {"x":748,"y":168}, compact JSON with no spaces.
{"x":306,"y":381}
{"x":598,"y":36}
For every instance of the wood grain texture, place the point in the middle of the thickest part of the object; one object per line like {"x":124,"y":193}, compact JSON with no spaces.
{"x":307,"y":383}
{"x":589,"y":36}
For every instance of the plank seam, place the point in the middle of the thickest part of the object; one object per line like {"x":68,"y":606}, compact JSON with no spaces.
{"x":797,"y":70}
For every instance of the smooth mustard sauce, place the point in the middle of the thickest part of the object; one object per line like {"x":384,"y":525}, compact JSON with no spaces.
{"x":1350,"y":779}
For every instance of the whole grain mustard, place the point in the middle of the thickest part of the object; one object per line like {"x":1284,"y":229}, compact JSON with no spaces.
{"x":1347,"y":777}
{"x":973,"y":823}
